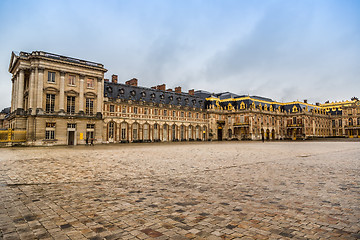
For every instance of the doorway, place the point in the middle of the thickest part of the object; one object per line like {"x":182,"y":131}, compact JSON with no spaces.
{"x":71,"y":137}
{"x":219,"y":134}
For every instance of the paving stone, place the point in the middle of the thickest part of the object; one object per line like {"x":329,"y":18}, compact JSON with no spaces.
{"x":210,"y":191}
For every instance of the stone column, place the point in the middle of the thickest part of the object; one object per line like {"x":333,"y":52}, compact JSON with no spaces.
{"x":62,"y":93}
{"x":21,"y":90}
{"x":12,"y":94}
{"x":81,"y":97}
{"x":99,"y":99}
{"x":32,"y":91}
{"x":40,"y":90}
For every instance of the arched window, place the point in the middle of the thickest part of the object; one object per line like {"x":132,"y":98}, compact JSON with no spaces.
{"x":197,"y":132}
{"x":173,"y":133}
{"x":111,"y":131}
{"x":146,"y":132}
{"x":204,"y":133}
{"x":156,"y":131}
{"x":165,"y":132}
{"x":123,"y":131}
{"x":135,"y":132}
{"x":190,"y":132}
{"x":182,"y":137}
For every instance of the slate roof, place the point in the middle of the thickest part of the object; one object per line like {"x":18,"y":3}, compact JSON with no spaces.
{"x":136,"y":93}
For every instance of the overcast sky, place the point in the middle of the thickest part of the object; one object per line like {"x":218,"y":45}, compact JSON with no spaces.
{"x":285,"y":50}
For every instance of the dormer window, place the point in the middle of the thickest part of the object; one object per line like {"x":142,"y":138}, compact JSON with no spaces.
{"x":133,"y":93}
{"x":121,"y":91}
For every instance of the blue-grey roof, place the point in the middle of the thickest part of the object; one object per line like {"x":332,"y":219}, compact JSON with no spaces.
{"x":136,"y":93}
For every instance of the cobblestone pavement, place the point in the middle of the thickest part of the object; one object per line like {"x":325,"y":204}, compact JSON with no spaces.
{"x":232,"y":190}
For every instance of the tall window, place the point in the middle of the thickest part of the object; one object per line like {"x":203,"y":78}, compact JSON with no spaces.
{"x":146,"y":132}
{"x":51,"y":77}
{"x":72,"y":80}
{"x":111,"y":130}
{"x":350,"y":122}
{"x":135,"y":110}
{"x":111,"y":108}
{"x":173,"y":133}
{"x":50,"y":102}
{"x":89,"y":106}
{"x":174,"y":113}
{"x":50,"y":131}
{"x":70,"y":108}
{"x":135,"y":131}
{"x":90,"y":128}
{"x":123,"y":131}
{"x":156,"y":132}
{"x":156,"y":112}
{"x":165,"y":112}
{"x":145,"y":110}
{"x":182,"y":132}
{"x":90,"y":83}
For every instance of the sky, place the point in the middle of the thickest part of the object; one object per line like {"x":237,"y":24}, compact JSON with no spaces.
{"x":281,"y":49}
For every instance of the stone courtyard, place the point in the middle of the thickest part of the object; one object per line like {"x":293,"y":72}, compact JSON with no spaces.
{"x":213,"y":190}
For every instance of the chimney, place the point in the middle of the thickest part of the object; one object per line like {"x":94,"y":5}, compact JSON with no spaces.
{"x":154,"y":87}
{"x":161,"y":87}
{"x":132,"y":82}
{"x":305,"y":100}
{"x":169,"y":90}
{"x":317,"y":104}
{"x":192,"y":92}
{"x":178,"y":89}
{"x":106,"y":80}
{"x":114,"y":78}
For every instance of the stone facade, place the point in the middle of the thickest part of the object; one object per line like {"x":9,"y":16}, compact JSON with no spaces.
{"x":63,"y":100}
{"x":56,"y":99}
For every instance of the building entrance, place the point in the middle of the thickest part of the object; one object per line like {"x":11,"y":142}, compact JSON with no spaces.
{"x":71,"y":128}
{"x":71,"y":137}
{"x":219,"y":134}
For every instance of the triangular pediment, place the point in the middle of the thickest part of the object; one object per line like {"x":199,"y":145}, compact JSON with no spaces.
{"x":71,"y":92}
{"x":12,"y":60}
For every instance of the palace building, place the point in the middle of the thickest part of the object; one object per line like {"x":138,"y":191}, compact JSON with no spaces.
{"x":64,"y":100}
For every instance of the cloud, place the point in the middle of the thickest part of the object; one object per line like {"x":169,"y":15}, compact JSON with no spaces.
{"x":284,"y":50}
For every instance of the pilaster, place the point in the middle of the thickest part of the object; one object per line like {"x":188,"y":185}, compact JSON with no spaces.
{"x":12,"y":94}
{"x":32,"y":91}
{"x":99,"y":97}
{"x":40,"y":87}
{"x":21,"y":90}
{"x":62,"y":93}
{"x":81,"y":95}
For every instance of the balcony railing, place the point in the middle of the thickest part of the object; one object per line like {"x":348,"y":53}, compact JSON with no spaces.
{"x":241,"y":124}
{"x":299,"y":125}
